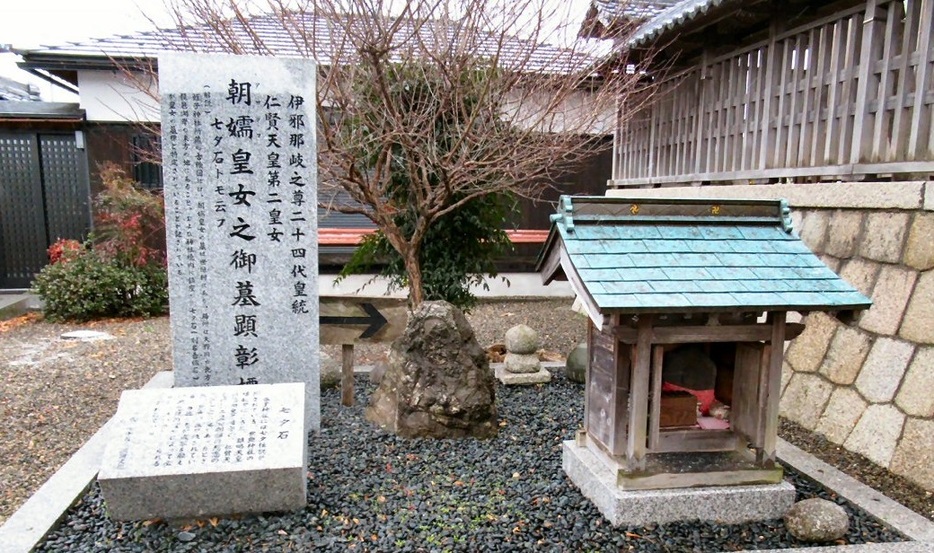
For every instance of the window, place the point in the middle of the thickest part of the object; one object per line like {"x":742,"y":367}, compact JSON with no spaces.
{"x":145,"y":153}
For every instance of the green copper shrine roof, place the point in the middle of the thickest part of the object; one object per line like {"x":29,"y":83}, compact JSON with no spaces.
{"x":656,"y":255}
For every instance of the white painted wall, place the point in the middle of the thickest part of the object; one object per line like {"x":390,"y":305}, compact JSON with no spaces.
{"x":113,"y":96}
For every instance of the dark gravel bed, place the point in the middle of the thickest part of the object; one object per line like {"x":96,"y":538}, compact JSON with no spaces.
{"x":371,"y":491}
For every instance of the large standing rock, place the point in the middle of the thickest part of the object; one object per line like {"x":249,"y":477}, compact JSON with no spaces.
{"x":438,"y":383}
{"x":817,"y":520}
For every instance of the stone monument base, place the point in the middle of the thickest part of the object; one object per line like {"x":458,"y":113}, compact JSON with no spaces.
{"x":509,"y":378}
{"x":727,"y":504}
{"x":208,"y":451}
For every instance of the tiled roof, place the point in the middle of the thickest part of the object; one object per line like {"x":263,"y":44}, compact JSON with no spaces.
{"x":641,"y":255}
{"x":670,"y":18}
{"x":611,"y":10}
{"x":304,"y":35}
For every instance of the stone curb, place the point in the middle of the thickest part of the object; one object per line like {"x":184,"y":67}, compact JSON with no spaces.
{"x":896,"y":515}
{"x":39,"y":515}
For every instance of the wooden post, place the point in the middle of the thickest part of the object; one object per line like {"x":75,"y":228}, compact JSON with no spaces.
{"x":870,"y":51}
{"x":658,"y":356}
{"x":347,"y":380}
{"x":639,"y":395}
{"x":773,"y":386}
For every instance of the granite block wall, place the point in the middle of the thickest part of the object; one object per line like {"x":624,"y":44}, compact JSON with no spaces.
{"x":870,"y":386}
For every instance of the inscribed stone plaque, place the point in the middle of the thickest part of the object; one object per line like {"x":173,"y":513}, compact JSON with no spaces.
{"x":239,"y":164}
{"x":194,"y":452}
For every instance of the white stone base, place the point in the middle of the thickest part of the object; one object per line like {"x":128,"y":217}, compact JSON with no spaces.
{"x":727,"y":504}
{"x":509,"y":378}
{"x":208,"y":451}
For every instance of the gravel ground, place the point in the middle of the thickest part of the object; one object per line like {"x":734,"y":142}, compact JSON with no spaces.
{"x":55,"y":394}
{"x":371,"y":491}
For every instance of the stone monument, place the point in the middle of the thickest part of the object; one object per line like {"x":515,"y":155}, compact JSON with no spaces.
{"x":239,"y":163}
{"x":196,"y":452}
{"x":522,"y":365}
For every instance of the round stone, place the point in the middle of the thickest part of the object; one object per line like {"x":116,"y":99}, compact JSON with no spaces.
{"x":522,"y":339}
{"x":817,"y":520}
{"x":575,"y":368}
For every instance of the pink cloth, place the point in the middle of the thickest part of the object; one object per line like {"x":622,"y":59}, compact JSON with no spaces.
{"x":704,"y":397}
{"x":713,"y":423}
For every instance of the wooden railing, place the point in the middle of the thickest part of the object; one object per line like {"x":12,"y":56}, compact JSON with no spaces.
{"x":850,"y":96}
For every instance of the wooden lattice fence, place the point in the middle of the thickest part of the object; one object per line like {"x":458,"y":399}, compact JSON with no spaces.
{"x":848,"y":96}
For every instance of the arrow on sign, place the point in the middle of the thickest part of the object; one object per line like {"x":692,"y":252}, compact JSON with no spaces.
{"x":374,"y":319}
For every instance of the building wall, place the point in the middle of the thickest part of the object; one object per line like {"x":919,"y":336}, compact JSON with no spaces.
{"x":115,"y":96}
{"x":869,"y":386}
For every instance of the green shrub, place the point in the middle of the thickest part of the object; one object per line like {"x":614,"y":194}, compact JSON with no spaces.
{"x":117,"y":273}
{"x":90,"y":286}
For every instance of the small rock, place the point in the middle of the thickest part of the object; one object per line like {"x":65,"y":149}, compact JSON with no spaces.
{"x":185,"y":536}
{"x":330,"y":371}
{"x":575,"y":368}
{"x":86,"y":335}
{"x":522,"y":363}
{"x":522,"y":339}
{"x":817,"y":520}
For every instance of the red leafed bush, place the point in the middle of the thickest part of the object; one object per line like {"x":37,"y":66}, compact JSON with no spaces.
{"x":64,"y":250}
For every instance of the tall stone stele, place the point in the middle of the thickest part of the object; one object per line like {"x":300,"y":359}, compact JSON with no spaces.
{"x":438,"y":383}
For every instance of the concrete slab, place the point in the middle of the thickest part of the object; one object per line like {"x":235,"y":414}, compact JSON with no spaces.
{"x":206,"y":451}
{"x":14,"y":305}
{"x":733,"y":504}
{"x":512,"y":379}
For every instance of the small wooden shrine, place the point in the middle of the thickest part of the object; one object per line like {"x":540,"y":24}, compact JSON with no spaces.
{"x":682,"y":291}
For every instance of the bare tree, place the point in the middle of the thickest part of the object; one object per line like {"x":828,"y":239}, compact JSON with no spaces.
{"x":513,"y":110}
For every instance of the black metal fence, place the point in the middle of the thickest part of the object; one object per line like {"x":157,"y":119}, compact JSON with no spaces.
{"x":44,"y":196}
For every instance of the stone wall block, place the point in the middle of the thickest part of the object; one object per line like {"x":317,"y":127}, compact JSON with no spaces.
{"x":883,"y":370}
{"x":919,"y":250}
{"x":806,"y":352}
{"x":916,"y":396}
{"x":884,"y":236}
{"x":918,"y":323}
{"x":804,"y":399}
{"x":842,"y":413}
{"x":876,"y":434}
{"x":889,"y":299}
{"x":845,"y":356}
{"x":787,"y":373}
{"x":813,"y":230}
{"x":860,"y":273}
{"x":843,"y":232}
{"x":914,"y":458}
{"x":833,"y":263}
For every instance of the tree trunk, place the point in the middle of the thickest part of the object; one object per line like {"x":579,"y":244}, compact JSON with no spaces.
{"x":414,"y":269}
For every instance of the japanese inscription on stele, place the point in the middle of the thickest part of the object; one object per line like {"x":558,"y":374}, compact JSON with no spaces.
{"x":239,"y":166}
{"x":215,"y":450}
